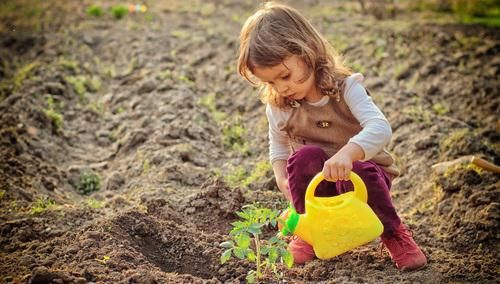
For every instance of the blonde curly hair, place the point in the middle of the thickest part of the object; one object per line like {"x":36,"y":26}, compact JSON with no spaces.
{"x":276,"y":32}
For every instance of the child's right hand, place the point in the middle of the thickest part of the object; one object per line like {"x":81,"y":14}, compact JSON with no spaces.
{"x":337,"y":167}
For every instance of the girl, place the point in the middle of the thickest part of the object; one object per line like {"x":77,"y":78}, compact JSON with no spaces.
{"x":320,"y":119}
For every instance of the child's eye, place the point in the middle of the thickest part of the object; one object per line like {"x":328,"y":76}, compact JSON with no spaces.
{"x":286,"y":77}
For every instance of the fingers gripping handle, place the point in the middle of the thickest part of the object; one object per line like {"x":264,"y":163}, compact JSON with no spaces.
{"x":359,"y":186}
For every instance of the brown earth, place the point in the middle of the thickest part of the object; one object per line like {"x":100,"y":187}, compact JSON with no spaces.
{"x":152,"y":104}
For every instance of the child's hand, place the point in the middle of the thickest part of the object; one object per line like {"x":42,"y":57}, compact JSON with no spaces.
{"x":282,"y":218}
{"x":338,"y":167}
{"x":283,"y":186}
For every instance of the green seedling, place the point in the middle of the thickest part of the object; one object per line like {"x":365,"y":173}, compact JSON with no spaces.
{"x":235,"y":176}
{"x":186,"y":80}
{"x":94,"y":204}
{"x":89,"y":182}
{"x":119,"y":12}
{"x":78,"y":83}
{"x":93,"y":84}
{"x":41,"y":205}
{"x":97,"y":107}
{"x":264,"y":253}
{"x":440,"y":109}
{"x":68,"y":64}
{"x":104,"y":259}
{"x":51,"y":112}
{"x":238,"y":176}
{"x":260,"y":171}
{"x":119,"y":110}
{"x":233,"y":138}
{"x":95,"y":11}
{"x":56,"y":118}
{"x":209,"y":101}
{"x":24,"y":73}
{"x":146,"y":166}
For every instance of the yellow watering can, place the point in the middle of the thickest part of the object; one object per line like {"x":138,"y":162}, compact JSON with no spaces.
{"x":334,"y":225}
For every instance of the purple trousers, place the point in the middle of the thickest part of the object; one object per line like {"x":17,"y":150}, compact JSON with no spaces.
{"x":304,"y":164}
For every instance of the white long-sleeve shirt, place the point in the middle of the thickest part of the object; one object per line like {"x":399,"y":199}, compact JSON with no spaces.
{"x":376,"y":132}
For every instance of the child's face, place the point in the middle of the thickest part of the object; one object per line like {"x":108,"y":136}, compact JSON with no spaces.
{"x":288,"y":77}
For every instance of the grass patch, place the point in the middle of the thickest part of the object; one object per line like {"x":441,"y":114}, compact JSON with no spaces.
{"x":82,"y":84}
{"x":97,"y":107}
{"x":95,"y":11}
{"x":239,"y":177}
{"x":89,"y":182}
{"x":93,"y":84}
{"x":449,"y":142}
{"x":118,"y":110}
{"x":94,"y":204}
{"x":235,"y":176}
{"x":419,"y":114}
{"x":165,"y":74}
{"x":68,"y":64}
{"x":78,"y":85}
{"x":381,"y":49}
{"x":338,"y":42}
{"x":14,"y":83}
{"x":53,"y":114}
{"x":440,"y":109}
{"x":462,"y":167}
{"x":260,"y":171}
{"x":146,"y":166}
{"x":41,"y":205}
{"x":186,"y":80}
{"x":56,"y":118}
{"x":485,"y":12}
{"x":491,"y":21}
{"x":119,"y":11}
{"x":233,"y":132}
{"x":208,"y":101}
{"x":233,"y":138}
{"x":23,"y":73}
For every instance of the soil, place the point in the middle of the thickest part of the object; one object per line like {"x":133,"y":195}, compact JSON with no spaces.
{"x":151,"y":103}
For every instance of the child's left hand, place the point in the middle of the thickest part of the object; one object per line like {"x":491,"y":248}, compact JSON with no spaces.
{"x":338,"y":167}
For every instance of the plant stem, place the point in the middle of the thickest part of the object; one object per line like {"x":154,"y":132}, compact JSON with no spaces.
{"x":257,"y":246}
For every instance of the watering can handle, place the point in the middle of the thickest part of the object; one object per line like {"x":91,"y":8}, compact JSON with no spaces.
{"x":359,"y":186}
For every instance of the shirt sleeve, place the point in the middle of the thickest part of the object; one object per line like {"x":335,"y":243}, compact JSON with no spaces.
{"x":376,"y":132}
{"x":278,"y":140}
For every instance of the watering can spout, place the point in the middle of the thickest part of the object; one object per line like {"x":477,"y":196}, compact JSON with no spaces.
{"x":293,"y":223}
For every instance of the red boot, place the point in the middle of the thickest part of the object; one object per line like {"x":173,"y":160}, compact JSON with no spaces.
{"x":403,"y":250}
{"x":301,"y":251}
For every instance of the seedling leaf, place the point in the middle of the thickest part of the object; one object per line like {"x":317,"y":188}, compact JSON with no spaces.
{"x":243,"y":240}
{"x":227,"y":244}
{"x":225,"y":256}
{"x":287,"y":258}
{"x":240,"y":253}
